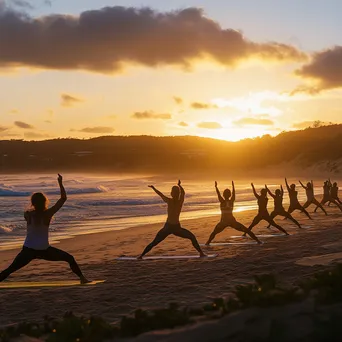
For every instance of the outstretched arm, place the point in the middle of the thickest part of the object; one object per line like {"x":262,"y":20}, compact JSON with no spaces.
{"x":303,"y":186}
{"x":287,"y":185}
{"x":220,"y":198}
{"x":163,"y":197}
{"x":59,"y":204}
{"x":254,"y":191}
{"x":233,"y":188}
{"x":269,"y":191}
{"x":182,"y":192}
{"x":281,"y":190}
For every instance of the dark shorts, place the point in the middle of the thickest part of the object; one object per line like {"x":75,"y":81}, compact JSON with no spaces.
{"x":173,"y":229}
{"x":279,"y":211}
{"x":169,"y":227}
{"x":296,"y":205}
{"x":26,"y":255}
{"x":50,"y":254}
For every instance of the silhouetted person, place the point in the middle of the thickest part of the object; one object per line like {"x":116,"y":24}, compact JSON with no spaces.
{"x":334,"y":193}
{"x":327,"y":195}
{"x":172,"y":225}
{"x":263,"y":213}
{"x":36,"y":245}
{"x":227,"y":217}
{"x":310,"y":196}
{"x":279,"y":209}
{"x":294,"y":203}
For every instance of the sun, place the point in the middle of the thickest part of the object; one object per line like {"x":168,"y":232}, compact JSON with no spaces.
{"x":236,"y":133}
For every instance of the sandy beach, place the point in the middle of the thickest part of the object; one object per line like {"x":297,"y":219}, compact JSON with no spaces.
{"x":149,"y":284}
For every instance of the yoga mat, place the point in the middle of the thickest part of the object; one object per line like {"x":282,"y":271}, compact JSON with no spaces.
{"x":66,"y":283}
{"x":157,"y":257}
{"x":230,"y":243}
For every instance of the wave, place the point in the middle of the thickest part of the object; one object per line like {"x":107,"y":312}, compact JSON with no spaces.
{"x":124,"y":202}
{"x":73,"y":181}
{"x":75,"y":191}
{"x":10,"y":192}
{"x":5,"y":230}
{"x":11,"y":229}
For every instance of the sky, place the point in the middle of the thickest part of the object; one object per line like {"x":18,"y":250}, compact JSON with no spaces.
{"x":224,"y":69}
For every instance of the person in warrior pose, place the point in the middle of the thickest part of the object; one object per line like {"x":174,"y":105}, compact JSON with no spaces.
{"x":294,"y":203}
{"x":172,"y":225}
{"x":334,"y":194}
{"x":310,"y":195}
{"x":36,"y":245}
{"x":279,"y":209}
{"x":327,"y":195}
{"x":263,"y":212}
{"x":227,"y":217}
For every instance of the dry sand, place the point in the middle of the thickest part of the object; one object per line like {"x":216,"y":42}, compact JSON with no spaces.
{"x":149,"y":284}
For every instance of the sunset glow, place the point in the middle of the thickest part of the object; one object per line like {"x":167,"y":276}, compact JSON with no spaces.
{"x":217,"y":76}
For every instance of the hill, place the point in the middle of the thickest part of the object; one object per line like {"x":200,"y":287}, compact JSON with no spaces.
{"x":317,"y":149}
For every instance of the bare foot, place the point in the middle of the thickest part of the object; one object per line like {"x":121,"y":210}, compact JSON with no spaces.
{"x":84,"y":280}
{"x":202,"y":255}
{"x":139,"y":257}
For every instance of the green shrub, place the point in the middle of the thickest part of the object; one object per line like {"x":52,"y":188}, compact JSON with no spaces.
{"x":265,"y":292}
{"x":144,"y":321}
{"x":325,"y":285}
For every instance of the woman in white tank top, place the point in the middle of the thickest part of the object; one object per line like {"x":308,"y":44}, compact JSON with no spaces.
{"x":36,"y":245}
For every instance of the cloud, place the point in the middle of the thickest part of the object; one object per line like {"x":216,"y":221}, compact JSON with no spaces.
{"x":325,"y":69}
{"x":253,"y":122}
{"x":23,"y":125}
{"x":36,"y":135}
{"x":69,"y":101}
{"x":183,"y":124}
{"x":25,"y":5}
{"x":14,"y":111}
{"x":96,"y":130}
{"x":11,"y":135}
{"x":178,"y":100}
{"x":104,"y":40}
{"x":3,"y":129}
{"x":305,"y":89}
{"x":111,"y":117}
{"x":209,"y":125}
{"x":151,"y":115}
{"x":200,"y":105}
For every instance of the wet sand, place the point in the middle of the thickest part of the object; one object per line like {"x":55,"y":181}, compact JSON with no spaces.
{"x":148,"y":284}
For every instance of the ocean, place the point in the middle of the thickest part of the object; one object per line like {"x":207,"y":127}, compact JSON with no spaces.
{"x":104,"y":203}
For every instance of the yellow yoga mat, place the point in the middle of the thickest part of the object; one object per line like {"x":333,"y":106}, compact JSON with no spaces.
{"x":26,"y":285}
